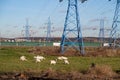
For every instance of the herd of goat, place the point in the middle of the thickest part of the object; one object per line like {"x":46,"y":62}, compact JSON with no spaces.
{"x":40,"y":58}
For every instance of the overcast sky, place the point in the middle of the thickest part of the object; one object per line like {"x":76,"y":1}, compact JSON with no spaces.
{"x":13,"y":14}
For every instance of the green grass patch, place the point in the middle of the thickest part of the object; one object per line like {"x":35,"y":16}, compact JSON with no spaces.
{"x":10,"y":62}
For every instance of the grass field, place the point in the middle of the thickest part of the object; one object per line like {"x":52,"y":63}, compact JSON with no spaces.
{"x":10,"y":62}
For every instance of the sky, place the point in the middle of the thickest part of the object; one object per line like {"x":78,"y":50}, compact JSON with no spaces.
{"x":13,"y":15}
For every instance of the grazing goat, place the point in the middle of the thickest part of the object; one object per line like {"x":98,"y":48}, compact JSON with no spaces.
{"x":39,"y":58}
{"x":62,"y":58}
{"x":65,"y":58}
{"x":66,"y":61}
{"x":23,"y":58}
{"x":53,"y":62}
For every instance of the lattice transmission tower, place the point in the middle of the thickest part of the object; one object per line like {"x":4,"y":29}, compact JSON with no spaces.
{"x":27,"y":33}
{"x":101,"y":32}
{"x":115,"y":31}
{"x":72,"y":35}
{"x":48,"y":37}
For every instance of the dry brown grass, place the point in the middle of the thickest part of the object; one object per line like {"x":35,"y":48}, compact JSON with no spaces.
{"x":89,"y":51}
{"x":101,"y":70}
{"x":102,"y":51}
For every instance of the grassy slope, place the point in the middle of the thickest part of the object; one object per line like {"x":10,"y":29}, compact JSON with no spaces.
{"x":9,"y":62}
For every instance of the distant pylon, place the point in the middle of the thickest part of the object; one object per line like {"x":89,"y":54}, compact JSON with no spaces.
{"x":48,"y":37}
{"x":115,"y":31}
{"x":72,"y":35}
{"x":101,"y":33}
{"x":27,"y":27}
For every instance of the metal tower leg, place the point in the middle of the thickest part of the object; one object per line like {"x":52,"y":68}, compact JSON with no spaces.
{"x":72,"y":35}
{"x":115,"y":31}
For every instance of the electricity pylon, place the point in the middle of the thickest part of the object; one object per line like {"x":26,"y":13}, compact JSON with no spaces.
{"x":115,"y":31}
{"x":48,"y":37}
{"x":101,"y":33}
{"x":72,"y":35}
{"x":27,"y":34}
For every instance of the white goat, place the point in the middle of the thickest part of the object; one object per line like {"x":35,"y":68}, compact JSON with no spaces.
{"x":53,"y":62}
{"x":39,"y":57}
{"x":23,"y":58}
{"x":38,"y":60}
{"x":66,"y":61}
{"x":65,"y":58}
{"x":62,"y":58}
